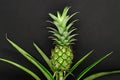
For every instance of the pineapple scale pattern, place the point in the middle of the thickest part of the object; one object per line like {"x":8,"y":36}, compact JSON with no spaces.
{"x":61,"y":58}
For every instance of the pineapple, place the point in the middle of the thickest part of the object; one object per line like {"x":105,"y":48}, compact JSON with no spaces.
{"x":62,"y":54}
{"x":63,"y":37}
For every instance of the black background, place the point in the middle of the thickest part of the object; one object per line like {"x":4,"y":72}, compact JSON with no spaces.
{"x":25,"y":21}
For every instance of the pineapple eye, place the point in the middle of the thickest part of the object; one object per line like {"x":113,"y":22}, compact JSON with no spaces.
{"x":57,"y":50}
{"x":63,"y":50}
{"x":64,"y":56}
{"x":56,"y":57}
{"x":68,"y":54}
{"x":60,"y":60}
{"x":65,"y":63}
{"x":60,"y":54}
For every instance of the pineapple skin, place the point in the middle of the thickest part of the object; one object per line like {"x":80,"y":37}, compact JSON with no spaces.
{"x":61,"y":58}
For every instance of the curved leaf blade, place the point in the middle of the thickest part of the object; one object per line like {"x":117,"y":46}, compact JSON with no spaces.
{"x":22,"y":68}
{"x":91,"y":66}
{"x":100,"y":74}
{"x":78,"y":63}
{"x":46,"y":73}
{"x":65,"y":11}
{"x":53,"y":17}
{"x":44,"y":56}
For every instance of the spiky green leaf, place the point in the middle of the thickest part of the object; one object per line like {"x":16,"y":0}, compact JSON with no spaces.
{"x":65,"y":11}
{"x":71,"y":36}
{"x":65,"y":21}
{"x":100,"y":74}
{"x":58,"y":27}
{"x":72,"y":30}
{"x":73,"y":14}
{"x":67,"y":18}
{"x":22,"y":68}
{"x":91,"y":66}
{"x":72,"y":41}
{"x":57,"y":35}
{"x":70,"y":25}
{"x":52,"y":29}
{"x":44,"y":56}
{"x":47,"y":74}
{"x":58,"y":15}
{"x":78,"y":63}
{"x":53,"y":17}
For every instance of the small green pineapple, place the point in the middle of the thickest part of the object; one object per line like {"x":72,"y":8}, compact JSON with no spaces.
{"x":63,"y":37}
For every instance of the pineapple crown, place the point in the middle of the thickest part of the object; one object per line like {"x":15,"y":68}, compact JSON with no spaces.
{"x":62,"y":34}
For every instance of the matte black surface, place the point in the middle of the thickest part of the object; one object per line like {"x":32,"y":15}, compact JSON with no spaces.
{"x":25,"y":21}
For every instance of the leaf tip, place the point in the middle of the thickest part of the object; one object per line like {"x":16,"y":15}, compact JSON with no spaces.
{"x":110,"y":53}
{"x":34,"y":43}
{"x":93,"y":50}
{"x":6,"y":36}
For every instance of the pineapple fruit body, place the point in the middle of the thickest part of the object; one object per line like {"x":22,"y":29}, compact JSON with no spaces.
{"x":61,"y":58}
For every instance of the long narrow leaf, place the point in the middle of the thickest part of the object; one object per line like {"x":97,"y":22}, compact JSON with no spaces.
{"x":58,"y":15}
{"x":22,"y":68}
{"x":65,"y":11}
{"x":73,"y":15}
{"x":44,"y":56}
{"x":100,"y":74}
{"x":47,"y":74}
{"x":77,"y":64}
{"x":53,"y":17}
{"x":91,"y":66}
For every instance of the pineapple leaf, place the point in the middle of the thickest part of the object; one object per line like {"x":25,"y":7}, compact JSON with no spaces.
{"x":91,"y":66}
{"x":71,"y":36}
{"x":72,"y":40}
{"x":56,"y":24}
{"x":44,"y":56}
{"x":46,"y":73}
{"x":59,"y":15}
{"x":65,"y":11}
{"x":69,"y":26}
{"x":77,"y":64}
{"x":64,"y":22}
{"x":53,"y":32}
{"x":55,"y":40}
{"x":67,"y":18}
{"x":73,"y":15}
{"x":100,"y":74}
{"x":52,"y":29}
{"x":22,"y":68}
{"x":72,"y":30}
{"x":53,"y":17}
{"x":51,"y":37}
{"x":57,"y":35}
{"x":49,"y":21}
